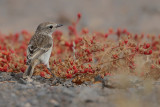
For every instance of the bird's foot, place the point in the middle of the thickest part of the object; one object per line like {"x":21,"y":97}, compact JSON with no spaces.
{"x":58,"y":81}
{"x":68,"y":83}
{"x":26,"y":80}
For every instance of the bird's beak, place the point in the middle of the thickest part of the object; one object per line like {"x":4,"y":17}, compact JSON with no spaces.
{"x":58,"y":25}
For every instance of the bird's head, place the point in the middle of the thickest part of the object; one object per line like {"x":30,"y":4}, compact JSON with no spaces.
{"x":47,"y":27}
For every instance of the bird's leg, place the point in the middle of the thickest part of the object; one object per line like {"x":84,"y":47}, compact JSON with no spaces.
{"x":28,"y":61}
{"x":29,"y":71}
{"x":49,"y":69}
{"x":56,"y":79}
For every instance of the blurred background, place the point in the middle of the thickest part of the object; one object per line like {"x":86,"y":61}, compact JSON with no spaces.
{"x":100,"y":15}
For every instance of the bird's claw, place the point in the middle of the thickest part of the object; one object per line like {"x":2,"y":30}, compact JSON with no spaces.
{"x":26,"y":80}
{"x":57,"y":81}
{"x":68,"y":83}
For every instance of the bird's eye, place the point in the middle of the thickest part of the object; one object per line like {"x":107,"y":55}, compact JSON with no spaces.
{"x":51,"y":27}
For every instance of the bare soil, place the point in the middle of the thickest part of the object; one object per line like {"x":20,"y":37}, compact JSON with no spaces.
{"x":41,"y":93}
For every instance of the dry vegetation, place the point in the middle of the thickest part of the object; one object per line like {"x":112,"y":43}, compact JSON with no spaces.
{"x":84,"y":55}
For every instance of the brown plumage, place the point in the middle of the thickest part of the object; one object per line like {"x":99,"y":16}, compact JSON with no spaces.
{"x":40,"y":47}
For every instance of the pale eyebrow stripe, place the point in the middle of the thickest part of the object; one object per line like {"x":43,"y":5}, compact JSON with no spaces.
{"x":49,"y":24}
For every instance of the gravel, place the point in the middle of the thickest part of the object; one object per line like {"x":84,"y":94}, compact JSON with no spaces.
{"x":40,"y":93}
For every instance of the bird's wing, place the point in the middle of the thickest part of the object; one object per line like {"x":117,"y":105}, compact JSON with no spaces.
{"x":37,"y":46}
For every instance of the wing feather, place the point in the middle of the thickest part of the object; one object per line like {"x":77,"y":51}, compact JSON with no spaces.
{"x":38,"y":45}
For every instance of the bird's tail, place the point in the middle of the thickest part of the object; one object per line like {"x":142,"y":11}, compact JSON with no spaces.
{"x":28,"y":72}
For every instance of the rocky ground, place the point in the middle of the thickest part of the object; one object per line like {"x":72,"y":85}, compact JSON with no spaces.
{"x":40,"y":93}
{"x":100,"y":15}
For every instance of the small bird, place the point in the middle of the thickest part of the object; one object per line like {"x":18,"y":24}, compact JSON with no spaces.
{"x":40,"y":47}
